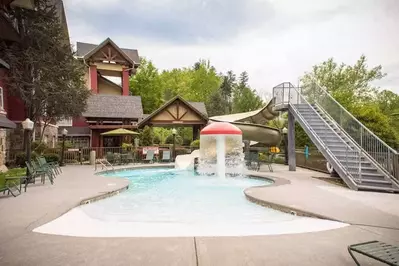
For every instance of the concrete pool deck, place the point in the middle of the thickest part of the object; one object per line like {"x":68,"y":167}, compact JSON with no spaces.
{"x":43,"y":203}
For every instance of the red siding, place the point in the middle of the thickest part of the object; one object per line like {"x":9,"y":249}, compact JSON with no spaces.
{"x":14,"y":106}
{"x":79,"y":122}
{"x":95,"y":138}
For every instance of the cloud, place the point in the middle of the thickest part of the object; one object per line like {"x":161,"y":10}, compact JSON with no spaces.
{"x":274,"y":41}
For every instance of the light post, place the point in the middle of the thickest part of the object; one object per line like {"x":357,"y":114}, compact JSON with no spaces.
{"x":27,"y":125}
{"x":174,"y":132}
{"x":64,"y":133}
{"x":285,"y":135}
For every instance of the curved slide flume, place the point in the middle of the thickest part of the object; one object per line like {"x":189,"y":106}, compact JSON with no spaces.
{"x":252,"y":124}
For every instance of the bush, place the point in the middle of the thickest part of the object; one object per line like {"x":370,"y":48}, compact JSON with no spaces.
{"x":195,"y":144}
{"x":182,"y":151}
{"x":51,"y":157}
{"x":169,"y":140}
{"x":127,"y":146}
{"x":156,"y":140}
{"x":186,"y":142}
{"x":68,"y":145}
{"x":146,"y":136}
{"x":20,"y":158}
{"x":38,"y":147}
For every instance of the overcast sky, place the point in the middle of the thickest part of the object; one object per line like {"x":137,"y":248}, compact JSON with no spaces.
{"x":273,"y":40}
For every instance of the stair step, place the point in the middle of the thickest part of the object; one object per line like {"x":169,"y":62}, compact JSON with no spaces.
{"x":374,"y":188}
{"x":373,"y":176}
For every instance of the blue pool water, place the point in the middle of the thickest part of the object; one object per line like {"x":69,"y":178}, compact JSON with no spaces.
{"x":170,"y":196}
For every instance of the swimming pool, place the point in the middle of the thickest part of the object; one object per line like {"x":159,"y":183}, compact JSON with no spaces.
{"x":167,"y":202}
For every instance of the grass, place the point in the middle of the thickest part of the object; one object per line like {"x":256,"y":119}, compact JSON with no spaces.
{"x":15,"y":172}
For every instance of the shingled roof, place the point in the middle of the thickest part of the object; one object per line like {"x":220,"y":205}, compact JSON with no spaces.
{"x":200,"y":106}
{"x":83,"y":49}
{"x":114,"y":106}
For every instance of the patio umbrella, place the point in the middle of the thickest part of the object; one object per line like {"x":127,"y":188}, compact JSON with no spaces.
{"x":119,"y":132}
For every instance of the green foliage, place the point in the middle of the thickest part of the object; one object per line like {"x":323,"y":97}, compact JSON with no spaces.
{"x":157,"y":139}
{"x":147,"y":83}
{"x":146,"y":136}
{"x":127,"y":146}
{"x":217,"y":104}
{"x":161,"y":133}
{"x":352,"y":87}
{"x":179,"y":140}
{"x":195,"y":144}
{"x":52,"y":157}
{"x":15,"y":172}
{"x":39,"y":147}
{"x":68,"y":144}
{"x":20,"y":158}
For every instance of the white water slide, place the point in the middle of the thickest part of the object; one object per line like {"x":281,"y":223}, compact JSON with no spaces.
{"x":252,"y":124}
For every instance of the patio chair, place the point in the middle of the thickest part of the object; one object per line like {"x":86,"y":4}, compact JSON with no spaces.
{"x":149,"y":157}
{"x":11,"y":188}
{"x":41,"y":162}
{"x":43,"y":172}
{"x":270,"y":159}
{"x":117,"y":158}
{"x":166,"y":156}
{"x":252,"y":161}
{"x":376,"y":250}
{"x":55,"y":165}
{"x":129,"y":158}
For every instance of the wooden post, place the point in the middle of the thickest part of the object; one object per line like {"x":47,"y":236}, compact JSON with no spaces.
{"x":291,"y":142}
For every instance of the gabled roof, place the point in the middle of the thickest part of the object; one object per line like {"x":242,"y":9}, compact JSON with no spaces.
{"x":200,"y":113}
{"x":85,"y":50}
{"x":114,"y":106}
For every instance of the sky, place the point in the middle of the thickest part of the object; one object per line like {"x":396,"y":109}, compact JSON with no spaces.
{"x":273,"y":40}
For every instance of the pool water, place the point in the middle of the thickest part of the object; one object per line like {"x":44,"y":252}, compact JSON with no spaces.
{"x":170,"y":196}
{"x":170,"y":203}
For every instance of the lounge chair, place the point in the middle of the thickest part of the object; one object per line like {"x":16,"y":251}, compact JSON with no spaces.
{"x":166,"y":156}
{"x":149,"y":157}
{"x":270,"y":159}
{"x":54,"y":165}
{"x":43,"y":164}
{"x":377,"y":250}
{"x":252,"y":161}
{"x":110,"y":157}
{"x":36,"y":170}
{"x":11,"y":187}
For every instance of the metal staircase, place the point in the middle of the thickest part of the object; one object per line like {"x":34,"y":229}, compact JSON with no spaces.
{"x":360,"y":158}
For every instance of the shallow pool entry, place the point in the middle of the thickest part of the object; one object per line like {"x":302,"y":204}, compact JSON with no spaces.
{"x":167,"y":202}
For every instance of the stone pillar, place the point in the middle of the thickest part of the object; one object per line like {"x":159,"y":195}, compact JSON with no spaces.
{"x":291,"y":142}
{"x":3,"y":135}
{"x":125,"y":82}
{"x":93,"y":79}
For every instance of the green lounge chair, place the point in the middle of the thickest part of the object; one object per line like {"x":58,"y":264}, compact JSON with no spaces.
{"x":42,"y":171}
{"x":54,"y":165}
{"x":110,"y":157}
{"x":42,"y":164}
{"x":149,"y":157}
{"x":11,"y":187}
{"x":376,"y":250}
{"x":166,"y":156}
{"x":252,"y":161}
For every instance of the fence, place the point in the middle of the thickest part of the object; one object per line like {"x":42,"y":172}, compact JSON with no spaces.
{"x":82,"y":156}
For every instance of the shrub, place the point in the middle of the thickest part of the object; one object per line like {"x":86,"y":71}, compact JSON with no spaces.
{"x":52,"y":157}
{"x":186,"y":142}
{"x":182,"y":151}
{"x":68,"y":145}
{"x":127,"y":146}
{"x":20,"y":158}
{"x":195,"y":144}
{"x":146,"y":136}
{"x":156,"y":140}
{"x":38,"y":147}
{"x":169,"y":140}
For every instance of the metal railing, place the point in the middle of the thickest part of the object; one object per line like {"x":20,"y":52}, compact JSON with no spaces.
{"x":383,"y":156}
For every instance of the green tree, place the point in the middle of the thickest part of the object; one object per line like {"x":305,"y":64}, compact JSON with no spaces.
{"x":352,"y":87}
{"x":44,"y":72}
{"x":216,"y":105}
{"x":226,"y":91}
{"x":146,"y":136}
{"x":147,"y":84}
{"x":246,"y":99}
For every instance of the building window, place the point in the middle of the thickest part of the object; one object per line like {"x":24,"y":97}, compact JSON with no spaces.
{"x":65,"y":122}
{"x":1,"y":99}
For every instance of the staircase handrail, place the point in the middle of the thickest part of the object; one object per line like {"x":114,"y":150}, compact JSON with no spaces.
{"x":354,"y":118}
